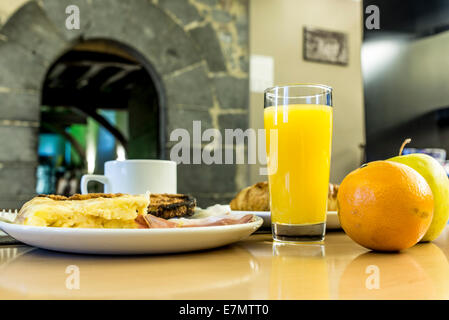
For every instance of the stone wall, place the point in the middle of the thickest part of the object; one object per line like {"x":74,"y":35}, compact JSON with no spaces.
{"x":197,"y":48}
{"x":220,"y":30}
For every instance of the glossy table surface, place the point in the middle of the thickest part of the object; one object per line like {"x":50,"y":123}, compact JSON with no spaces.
{"x":255,"y":268}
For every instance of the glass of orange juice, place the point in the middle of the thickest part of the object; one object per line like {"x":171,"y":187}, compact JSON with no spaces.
{"x":298,"y":126}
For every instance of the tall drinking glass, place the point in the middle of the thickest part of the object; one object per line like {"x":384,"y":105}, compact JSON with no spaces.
{"x":298,"y":125}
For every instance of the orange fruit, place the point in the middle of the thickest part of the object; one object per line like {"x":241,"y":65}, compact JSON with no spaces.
{"x":385,"y":206}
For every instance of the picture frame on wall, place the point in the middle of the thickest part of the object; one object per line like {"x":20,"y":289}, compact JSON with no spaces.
{"x":325,"y":46}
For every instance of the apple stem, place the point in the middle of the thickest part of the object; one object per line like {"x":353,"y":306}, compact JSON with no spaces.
{"x":408,"y":140}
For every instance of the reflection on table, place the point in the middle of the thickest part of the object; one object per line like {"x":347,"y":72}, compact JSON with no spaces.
{"x":255,"y":268}
{"x":30,"y":273}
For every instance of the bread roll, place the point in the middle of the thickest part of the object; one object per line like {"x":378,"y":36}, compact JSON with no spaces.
{"x":253,"y":198}
{"x":332,"y":197}
{"x":257,"y":198}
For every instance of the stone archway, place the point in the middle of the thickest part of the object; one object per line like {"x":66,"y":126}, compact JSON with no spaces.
{"x":184,"y":55}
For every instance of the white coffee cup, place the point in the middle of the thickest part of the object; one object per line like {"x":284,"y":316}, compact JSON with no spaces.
{"x":135,"y":177}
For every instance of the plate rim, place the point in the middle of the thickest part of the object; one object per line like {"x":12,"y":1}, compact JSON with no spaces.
{"x":255,"y":223}
{"x":266,"y":212}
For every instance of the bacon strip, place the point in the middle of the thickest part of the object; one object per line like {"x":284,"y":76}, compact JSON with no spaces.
{"x":217,"y":221}
{"x":141,"y":222}
{"x":155,"y":222}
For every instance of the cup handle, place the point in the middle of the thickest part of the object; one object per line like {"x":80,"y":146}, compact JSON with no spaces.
{"x":93,"y":177}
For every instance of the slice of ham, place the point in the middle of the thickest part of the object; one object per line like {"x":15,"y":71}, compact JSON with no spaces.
{"x":216,"y":221}
{"x":155,"y":222}
{"x":141,"y":222}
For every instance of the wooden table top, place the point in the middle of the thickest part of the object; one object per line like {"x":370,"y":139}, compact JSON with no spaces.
{"x":255,"y":268}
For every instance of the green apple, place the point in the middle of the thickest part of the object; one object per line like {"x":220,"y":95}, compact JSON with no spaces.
{"x":438,"y":181}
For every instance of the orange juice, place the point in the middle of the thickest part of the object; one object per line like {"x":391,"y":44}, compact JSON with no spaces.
{"x":299,"y":163}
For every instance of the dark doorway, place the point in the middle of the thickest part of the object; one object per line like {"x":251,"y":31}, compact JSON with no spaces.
{"x":99,"y":103}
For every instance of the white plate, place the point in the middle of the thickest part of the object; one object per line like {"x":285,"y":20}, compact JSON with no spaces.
{"x":332,"y":221}
{"x":130,"y":241}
